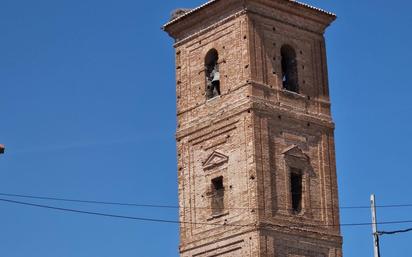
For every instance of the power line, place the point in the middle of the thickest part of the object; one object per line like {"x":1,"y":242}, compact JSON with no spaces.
{"x":89,"y":201}
{"x":91,"y":213}
{"x":183,"y":222}
{"x":166,"y":206}
{"x":394,"y":232}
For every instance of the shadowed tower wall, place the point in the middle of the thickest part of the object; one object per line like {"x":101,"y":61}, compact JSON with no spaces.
{"x":255,"y":137}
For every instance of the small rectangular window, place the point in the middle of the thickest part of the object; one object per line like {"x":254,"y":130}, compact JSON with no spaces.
{"x":296,"y":190}
{"x":218,"y":193}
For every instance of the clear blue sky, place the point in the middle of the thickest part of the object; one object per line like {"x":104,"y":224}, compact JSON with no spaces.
{"x":87,"y":110}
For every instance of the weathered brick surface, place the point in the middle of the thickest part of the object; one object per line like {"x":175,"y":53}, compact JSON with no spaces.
{"x":254,"y":132}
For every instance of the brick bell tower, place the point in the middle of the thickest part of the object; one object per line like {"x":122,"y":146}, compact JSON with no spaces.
{"x":255,"y":136}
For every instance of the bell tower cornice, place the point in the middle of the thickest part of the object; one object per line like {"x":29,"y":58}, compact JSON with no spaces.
{"x":201,"y":18}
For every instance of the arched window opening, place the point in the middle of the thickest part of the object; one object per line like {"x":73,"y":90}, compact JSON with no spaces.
{"x":212,"y":74}
{"x":289,"y":69}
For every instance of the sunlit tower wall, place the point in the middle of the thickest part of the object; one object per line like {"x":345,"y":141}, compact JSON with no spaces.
{"x":255,"y":136}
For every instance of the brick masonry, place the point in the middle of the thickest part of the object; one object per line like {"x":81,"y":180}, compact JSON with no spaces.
{"x":254,"y":132}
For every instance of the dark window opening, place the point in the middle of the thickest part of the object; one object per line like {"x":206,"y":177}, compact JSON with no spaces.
{"x":296,"y":190}
{"x":289,"y":69}
{"x":218,"y":193}
{"x":212,"y":74}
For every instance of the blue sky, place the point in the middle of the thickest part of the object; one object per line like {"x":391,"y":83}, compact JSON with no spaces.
{"x":87,"y":110}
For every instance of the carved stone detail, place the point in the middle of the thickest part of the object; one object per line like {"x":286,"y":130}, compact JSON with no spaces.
{"x":215,"y":159}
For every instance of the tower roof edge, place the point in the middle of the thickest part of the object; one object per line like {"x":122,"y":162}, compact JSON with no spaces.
{"x":174,"y":20}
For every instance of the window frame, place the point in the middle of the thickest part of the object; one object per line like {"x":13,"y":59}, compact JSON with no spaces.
{"x":291,"y":82}
{"x":217,"y":201}
{"x":211,"y":66}
{"x":296,"y":173}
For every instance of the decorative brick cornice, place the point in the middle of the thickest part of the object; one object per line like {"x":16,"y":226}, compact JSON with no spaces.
{"x":188,"y":19}
{"x":203,"y":6}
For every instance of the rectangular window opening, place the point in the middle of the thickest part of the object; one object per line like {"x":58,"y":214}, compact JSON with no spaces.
{"x":296,"y":190}
{"x":218,"y":193}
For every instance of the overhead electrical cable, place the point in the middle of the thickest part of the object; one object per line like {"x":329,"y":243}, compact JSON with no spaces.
{"x":167,"y":206}
{"x":182,"y":222}
{"x":394,"y":232}
{"x":88,"y":201}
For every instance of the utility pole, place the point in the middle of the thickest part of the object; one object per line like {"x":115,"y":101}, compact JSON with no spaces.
{"x":375,"y":228}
